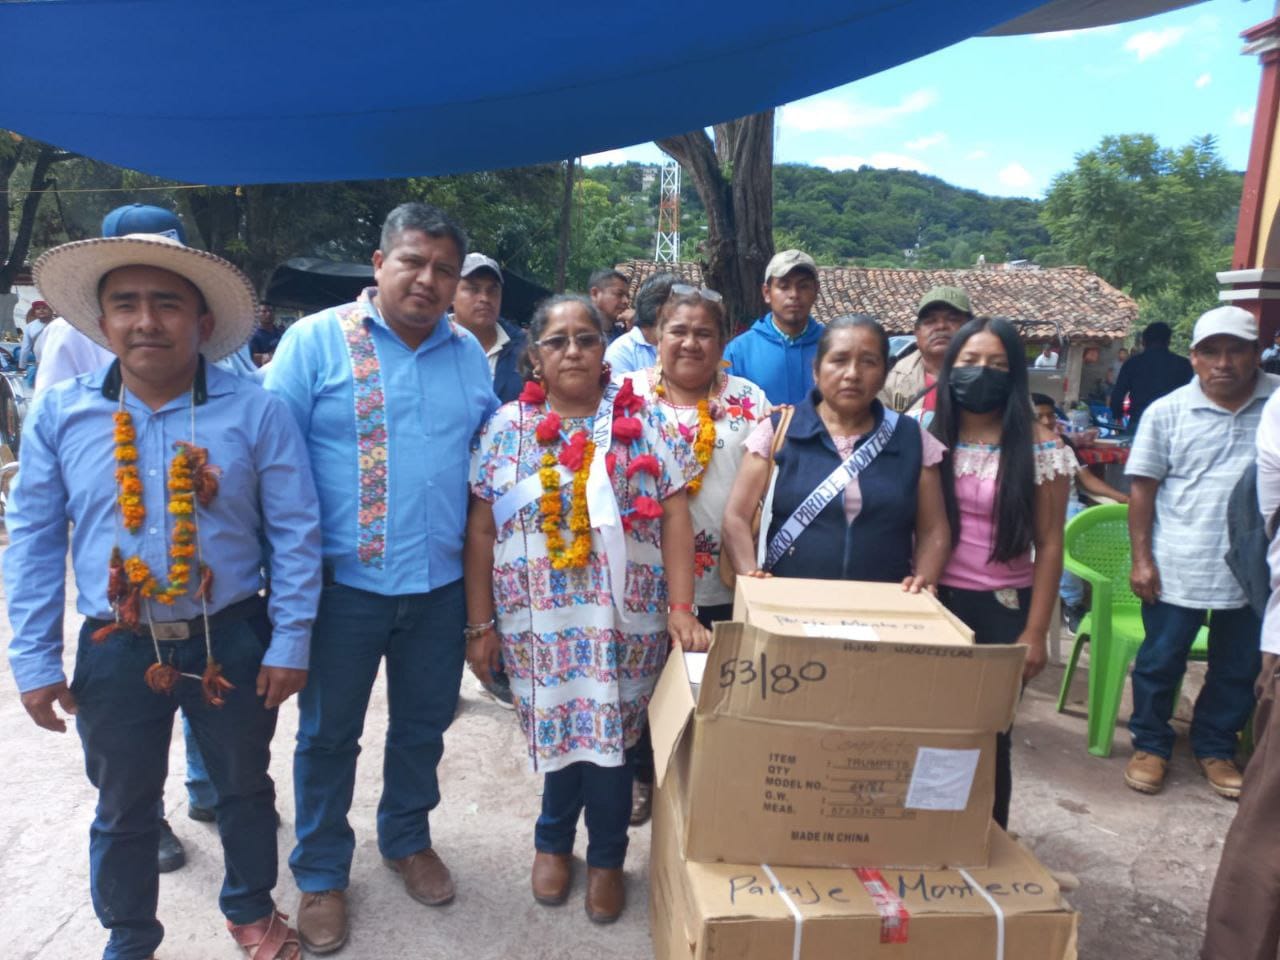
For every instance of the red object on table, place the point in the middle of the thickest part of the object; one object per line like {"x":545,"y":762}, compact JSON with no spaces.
{"x":1093,"y":456}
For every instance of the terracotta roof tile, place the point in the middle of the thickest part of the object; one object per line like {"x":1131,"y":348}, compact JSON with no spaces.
{"x":1082,"y":304}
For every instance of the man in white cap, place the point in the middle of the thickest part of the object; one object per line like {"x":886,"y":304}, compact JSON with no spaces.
{"x":167,"y":553}
{"x":1191,"y":448}
{"x":777,"y":352}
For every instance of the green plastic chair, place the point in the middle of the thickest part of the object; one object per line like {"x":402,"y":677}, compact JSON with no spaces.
{"x":1096,"y":549}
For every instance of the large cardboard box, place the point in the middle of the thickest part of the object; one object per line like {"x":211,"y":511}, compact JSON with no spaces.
{"x":1010,"y":910}
{"x":838,"y":724}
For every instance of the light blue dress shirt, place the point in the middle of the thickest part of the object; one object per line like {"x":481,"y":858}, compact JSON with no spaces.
{"x":631,"y":352}
{"x":437,"y":398}
{"x":266,"y":496}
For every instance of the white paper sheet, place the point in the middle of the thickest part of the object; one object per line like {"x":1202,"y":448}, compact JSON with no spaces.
{"x":942,"y":779}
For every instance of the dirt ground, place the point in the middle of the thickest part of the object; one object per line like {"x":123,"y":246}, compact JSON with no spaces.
{"x":1145,"y":863}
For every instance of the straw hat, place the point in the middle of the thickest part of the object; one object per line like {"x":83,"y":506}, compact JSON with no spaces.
{"x":68,"y":277}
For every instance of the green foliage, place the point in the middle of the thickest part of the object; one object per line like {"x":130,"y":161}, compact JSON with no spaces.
{"x":897,"y":218}
{"x":1153,"y":221}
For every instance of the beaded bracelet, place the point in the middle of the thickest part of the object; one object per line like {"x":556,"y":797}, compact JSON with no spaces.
{"x":473,"y":630}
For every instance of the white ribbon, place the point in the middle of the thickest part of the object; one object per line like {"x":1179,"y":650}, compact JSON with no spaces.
{"x":798,"y":939}
{"x":995,"y":908}
{"x":602,"y":502}
{"x":521,"y":495}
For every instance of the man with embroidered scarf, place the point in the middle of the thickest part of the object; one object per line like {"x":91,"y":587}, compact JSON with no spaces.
{"x":167,"y":552}
{"x":389,"y":394}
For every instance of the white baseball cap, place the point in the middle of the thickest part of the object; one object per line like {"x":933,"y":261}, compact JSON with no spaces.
{"x":1232,"y":321}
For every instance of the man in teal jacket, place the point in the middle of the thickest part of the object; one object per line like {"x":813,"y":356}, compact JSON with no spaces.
{"x":777,"y":352}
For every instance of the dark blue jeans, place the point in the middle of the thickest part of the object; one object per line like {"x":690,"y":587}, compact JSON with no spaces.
{"x":420,"y":635}
{"x":200,"y":791}
{"x":605,"y":794}
{"x":125,"y":729}
{"x":1225,"y":702}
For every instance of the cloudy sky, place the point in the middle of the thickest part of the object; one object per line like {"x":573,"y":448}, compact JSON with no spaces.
{"x":1003,"y":115}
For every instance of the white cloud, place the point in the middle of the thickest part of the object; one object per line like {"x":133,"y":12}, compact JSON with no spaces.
{"x":978,"y":155}
{"x":1148,"y":43}
{"x":1072,"y":34}
{"x":1242,"y":117}
{"x":880,"y":160}
{"x":1015,"y":176}
{"x":924,"y":143}
{"x":602,"y":159}
{"x":1203,"y":80}
{"x":831,"y":113}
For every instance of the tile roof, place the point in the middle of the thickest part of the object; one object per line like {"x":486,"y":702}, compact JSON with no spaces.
{"x":1082,"y":304}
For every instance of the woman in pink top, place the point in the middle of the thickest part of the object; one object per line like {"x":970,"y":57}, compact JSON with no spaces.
{"x":1005,"y":486}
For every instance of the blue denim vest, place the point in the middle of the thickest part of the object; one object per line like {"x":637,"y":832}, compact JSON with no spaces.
{"x":878,"y":544}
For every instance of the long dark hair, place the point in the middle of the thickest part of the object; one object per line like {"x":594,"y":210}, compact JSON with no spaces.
{"x":1015,"y":482}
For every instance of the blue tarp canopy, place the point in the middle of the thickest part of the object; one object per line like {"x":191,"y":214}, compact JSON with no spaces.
{"x":261,"y":91}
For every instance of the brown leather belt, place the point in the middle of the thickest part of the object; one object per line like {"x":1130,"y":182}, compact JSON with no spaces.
{"x":173,"y":631}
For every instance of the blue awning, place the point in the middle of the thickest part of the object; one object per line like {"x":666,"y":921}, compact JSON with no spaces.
{"x":260,"y":91}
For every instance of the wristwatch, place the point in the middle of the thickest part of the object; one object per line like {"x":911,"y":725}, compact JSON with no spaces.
{"x":682,"y":608}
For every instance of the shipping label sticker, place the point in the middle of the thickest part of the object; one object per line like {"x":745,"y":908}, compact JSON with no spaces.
{"x":942,"y":779}
{"x":841,"y":631}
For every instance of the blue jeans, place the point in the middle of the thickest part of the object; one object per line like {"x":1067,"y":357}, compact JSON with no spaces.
{"x":1225,"y":702}
{"x":605,"y":793}
{"x":125,"y":729}
{"x":200,"y":791}
{"x":1071,"y":587}
{"x":420,"y":635}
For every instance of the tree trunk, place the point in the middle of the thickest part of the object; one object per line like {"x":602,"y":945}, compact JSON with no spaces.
{"x":734,"y":179}
{"x":566,"y":227}
{"x":16,"y":255}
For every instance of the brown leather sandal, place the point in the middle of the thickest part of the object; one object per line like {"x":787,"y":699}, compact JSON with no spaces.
{"x":270,"y":938}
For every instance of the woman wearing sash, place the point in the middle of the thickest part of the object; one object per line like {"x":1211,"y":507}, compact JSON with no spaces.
{"x":579,"y":563}
{"x":856,"y":494}
{"x":1005,"y":484}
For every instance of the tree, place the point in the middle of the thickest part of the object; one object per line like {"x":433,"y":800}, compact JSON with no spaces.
{"x":15,"y":241}
{"x":1153,"y":221}
{"x":733,"y":176}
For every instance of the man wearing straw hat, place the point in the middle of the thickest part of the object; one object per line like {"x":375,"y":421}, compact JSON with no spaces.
{"x":167,"y":552}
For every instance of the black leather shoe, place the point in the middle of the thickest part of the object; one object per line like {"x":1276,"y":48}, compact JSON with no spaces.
{"x":172,"y":855}
{"x":201,"y":814}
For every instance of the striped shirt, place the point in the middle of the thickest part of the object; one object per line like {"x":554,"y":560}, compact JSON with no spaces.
{"x":1197,"y":451}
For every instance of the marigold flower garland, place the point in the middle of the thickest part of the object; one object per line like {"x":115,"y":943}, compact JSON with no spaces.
{"x":704,"y":437}
{"x":576,"y":455}
{"x":191,"y":480}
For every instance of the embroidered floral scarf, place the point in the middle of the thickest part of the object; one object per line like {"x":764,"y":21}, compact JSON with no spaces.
{"x":371,"y":434}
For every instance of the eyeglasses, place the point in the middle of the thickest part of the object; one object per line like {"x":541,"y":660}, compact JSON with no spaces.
{"x":559,"y":343}
{"x":685,"y":290}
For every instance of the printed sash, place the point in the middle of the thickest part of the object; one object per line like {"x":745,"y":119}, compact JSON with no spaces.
{"x":830,"y":488}
{"x":602,"y":502}
{"x":372,"y":439}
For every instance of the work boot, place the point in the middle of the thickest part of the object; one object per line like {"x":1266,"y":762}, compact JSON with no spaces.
{"x":426,"y":878}
{"x":1223,"y":775}
{"x":172,"y":854}
{"x":606,"y":894}
{"x":201,"y":814}
{"x":641,"y":802}
{"x":322,"y":920}
{"x":1145,"y":772}
{"x":552,"y":877}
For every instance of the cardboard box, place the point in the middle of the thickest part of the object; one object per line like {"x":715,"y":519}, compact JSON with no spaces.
{"x":752,"y":912}
{"x":875,"y":748}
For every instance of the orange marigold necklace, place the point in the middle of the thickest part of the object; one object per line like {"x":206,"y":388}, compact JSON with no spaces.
{"x":131,"y":584}
{"x":575,"y":454}
{"x":704,"y":435}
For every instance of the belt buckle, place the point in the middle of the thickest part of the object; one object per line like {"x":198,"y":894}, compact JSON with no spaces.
{"x":173,"y":630}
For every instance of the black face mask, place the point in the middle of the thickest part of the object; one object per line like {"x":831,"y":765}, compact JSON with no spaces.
{"x":980,"y":389}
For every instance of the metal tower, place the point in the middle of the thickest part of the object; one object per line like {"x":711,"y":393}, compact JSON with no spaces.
{"x":666,"y":249}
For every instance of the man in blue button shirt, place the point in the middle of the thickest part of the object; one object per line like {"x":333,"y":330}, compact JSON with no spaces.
{"x":169,"y":572}
{"x":389,"y":394}
{"x":777,"y":352}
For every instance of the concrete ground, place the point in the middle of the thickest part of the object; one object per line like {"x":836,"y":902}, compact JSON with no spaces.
{"x":1145,"y":863}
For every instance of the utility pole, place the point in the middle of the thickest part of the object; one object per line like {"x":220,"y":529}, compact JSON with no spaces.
{"x":666,"y":248}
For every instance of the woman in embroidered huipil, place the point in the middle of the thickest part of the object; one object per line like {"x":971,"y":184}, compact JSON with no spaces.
{"x":583,"y":650}
{"x":1005,"y":484}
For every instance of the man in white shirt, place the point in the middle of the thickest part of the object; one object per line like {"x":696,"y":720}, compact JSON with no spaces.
{"x":477,"y":306}
{"x":1048,"y":359}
